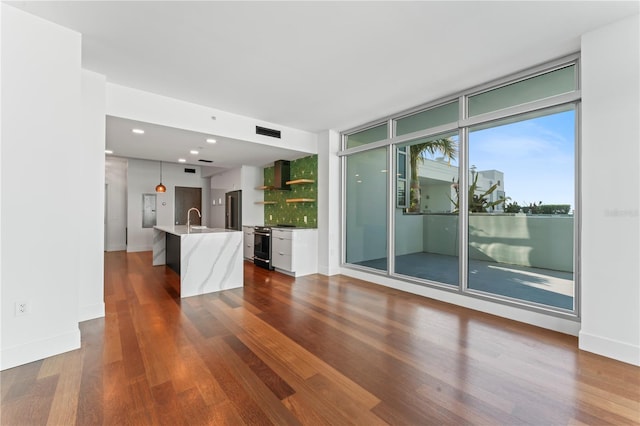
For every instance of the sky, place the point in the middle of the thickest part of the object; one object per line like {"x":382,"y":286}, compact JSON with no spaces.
{"x":537,"y":157}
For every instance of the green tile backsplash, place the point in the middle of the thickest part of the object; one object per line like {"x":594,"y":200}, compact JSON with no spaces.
{"x":293,"y":213}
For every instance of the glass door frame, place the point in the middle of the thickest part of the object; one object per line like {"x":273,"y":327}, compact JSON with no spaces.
{"x":462,"y":126}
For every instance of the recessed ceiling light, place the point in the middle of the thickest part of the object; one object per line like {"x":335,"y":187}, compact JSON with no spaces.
{"x":182,"y":160}
{"x":138,"y":131}
{"x":108,"y":151}
{"x":194,"y":152}
{"x":211,"y":140}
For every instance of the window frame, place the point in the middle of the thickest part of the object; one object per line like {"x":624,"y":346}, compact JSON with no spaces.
{"x":462,"y":126}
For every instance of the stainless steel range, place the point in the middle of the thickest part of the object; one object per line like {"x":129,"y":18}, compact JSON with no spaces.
{"x":262,"y":247}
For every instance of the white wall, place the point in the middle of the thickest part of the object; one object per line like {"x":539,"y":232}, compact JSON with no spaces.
{"x":116,"y":210}
{"x":41,"y":242}
{"x":216,"y":208}
{"x":89,"y":178}
{"x":252,"y":213}
{"x":230,"y":180}
{"x":245,"y":179}
{"x":142,"y":178}
{"x":543,"y":241}
{"x":1,"y":181}
{"x":148,"y":107}
{"x":328,"y":203}
{"x":610,"y":195}
{"x":410,"y":235}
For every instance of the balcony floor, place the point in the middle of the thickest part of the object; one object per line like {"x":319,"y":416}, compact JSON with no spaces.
{"x":537,"y":285}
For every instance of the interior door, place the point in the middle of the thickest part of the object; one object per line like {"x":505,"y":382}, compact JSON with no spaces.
{"x":148,"y":210}
{"x":186,"y":198}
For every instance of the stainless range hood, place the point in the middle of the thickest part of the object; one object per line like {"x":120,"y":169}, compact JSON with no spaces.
{"x":281,"y":175}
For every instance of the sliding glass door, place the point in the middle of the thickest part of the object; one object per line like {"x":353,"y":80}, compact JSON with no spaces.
{"x":366,"y":209}
{"x":521,"y":207}
{"x":426,"y":226}
{"x":475,"y":193}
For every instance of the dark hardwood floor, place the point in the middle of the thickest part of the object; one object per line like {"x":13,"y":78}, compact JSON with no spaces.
{"x":313,"y":350}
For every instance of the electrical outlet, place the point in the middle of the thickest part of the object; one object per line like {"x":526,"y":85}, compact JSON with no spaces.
{"x":305,"y":219}
{"x":22,"y":308}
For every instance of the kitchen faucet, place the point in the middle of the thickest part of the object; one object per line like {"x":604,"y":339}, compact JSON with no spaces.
{"x":189,"y":217}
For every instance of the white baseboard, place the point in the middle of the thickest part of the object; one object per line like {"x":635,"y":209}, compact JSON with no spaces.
{"x":40,"y":349}
{"x":89,"y":312}
{"x":610,"y":348}
{"x":116,"y":247}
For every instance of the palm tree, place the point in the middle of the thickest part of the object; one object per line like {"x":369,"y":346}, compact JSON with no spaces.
{"x":417,"y":153}
{"x":477,"y":203}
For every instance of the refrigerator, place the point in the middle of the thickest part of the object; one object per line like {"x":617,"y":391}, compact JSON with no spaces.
{"x":233,"y":210}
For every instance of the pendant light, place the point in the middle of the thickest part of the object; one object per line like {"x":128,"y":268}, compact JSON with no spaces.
{"x":160,"y":187}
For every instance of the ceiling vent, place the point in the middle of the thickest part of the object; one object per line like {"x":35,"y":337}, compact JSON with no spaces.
{"x":189,"y":170}
{"x":205,"y":161}
{"x":267,"y":132}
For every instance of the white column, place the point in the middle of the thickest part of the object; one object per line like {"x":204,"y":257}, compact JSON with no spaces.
{"x":610,"y":195}
{"x":41,"y":190}
{"x":91,"y":272}
{"x":328,"y":203}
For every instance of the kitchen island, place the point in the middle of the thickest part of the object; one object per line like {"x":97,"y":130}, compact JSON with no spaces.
{"x":207,"y":259}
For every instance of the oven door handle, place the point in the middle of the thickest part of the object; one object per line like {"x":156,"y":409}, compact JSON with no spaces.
{"x":261,"y":233}
{"x":260,"y":259}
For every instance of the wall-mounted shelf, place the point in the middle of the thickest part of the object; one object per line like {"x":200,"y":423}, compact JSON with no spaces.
{"x":264,"y":202}
{"x":264,"y":188}
{"x":301,"y":200}
{"x":300,"y":181}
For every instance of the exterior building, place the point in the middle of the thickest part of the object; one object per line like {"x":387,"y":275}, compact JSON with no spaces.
{"x":437,"y":186}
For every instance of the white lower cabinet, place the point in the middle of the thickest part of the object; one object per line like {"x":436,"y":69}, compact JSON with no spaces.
{"x":247,"y":242}
{"x":295,"y":251}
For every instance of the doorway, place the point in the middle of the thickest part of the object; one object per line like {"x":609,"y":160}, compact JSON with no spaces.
{"x":186,"y":198}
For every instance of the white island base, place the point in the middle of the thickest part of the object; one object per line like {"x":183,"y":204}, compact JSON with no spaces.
{"x":208,"y":260}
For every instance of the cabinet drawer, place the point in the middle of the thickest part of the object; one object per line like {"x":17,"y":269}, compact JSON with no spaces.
{"x":281,"y":246}
{"x":248,"y":243}
{"x":295,"y":250}
{"x":281,"y":260}
{"x":278,"y":234}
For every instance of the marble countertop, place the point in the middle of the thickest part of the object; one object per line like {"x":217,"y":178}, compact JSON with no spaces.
{"x":182,"y":230}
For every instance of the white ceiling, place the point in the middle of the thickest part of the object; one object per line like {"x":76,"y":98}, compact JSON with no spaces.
{"x":314,"y":65}
{"x":169,"y":144}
